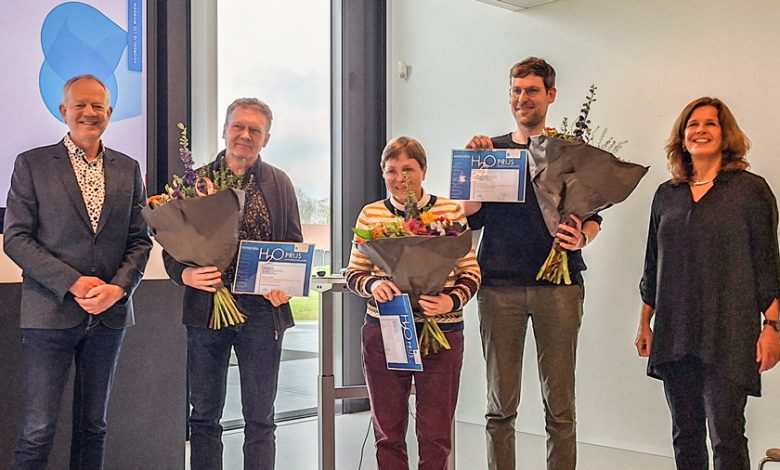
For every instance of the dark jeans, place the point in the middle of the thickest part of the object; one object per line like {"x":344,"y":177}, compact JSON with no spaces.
{"x":48,"y":355}
{"x":259,"y":354}
{"x":698,"y":396}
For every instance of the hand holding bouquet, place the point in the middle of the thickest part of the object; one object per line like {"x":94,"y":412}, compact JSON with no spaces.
{"x":197,"y":223}
{"x":576,"y":179}
{"x":418,"y":252}
{"x":577,"y":175}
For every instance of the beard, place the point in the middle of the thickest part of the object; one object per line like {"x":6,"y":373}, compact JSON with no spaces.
{"x":529,"y":120}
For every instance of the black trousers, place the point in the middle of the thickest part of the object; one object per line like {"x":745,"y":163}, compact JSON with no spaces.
{"x":699,"y":399}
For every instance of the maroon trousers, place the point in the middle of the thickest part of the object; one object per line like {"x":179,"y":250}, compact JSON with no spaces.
{"x":436,"y":391}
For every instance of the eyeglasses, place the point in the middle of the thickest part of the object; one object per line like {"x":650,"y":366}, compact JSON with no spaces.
{"x":530,"y":92}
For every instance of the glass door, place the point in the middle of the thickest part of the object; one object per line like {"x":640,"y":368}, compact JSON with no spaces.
{"x":279,"y":52}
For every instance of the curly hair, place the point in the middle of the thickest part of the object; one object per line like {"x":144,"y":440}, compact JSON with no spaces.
{"x":734,"y":148}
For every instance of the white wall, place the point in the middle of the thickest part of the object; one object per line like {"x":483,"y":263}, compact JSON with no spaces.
{"x":649,"y":58}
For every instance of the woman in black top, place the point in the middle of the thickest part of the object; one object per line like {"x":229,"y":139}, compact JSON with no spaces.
{"x":711,"y":269}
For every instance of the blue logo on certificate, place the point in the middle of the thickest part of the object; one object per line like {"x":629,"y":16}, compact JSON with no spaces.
{"x":489,"y":175}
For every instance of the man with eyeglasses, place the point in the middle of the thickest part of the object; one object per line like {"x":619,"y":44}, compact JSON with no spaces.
{"x":270,"y":214}
{"x":515,"y":243}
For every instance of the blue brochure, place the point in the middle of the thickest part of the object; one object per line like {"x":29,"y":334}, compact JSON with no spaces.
{"x":489,"y":175}
{"x":265,"y":266}
{"x":399,"y":336}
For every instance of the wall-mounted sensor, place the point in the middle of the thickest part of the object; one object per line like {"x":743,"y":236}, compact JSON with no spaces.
{"x":403,"y":70}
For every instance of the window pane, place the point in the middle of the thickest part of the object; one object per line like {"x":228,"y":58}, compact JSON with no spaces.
{"x":280,"y":52}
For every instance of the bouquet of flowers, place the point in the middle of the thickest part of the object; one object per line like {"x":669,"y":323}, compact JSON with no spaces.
{"x":418,"y":252}
{"x":197,"y":221}
{"x":581,"y":130}
{"x":577,"y":179}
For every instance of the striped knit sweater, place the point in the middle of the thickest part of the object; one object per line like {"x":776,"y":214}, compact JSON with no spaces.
{"x":461,"y":285}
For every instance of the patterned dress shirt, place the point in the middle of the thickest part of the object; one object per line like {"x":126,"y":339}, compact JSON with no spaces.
{"x":91,"y":179}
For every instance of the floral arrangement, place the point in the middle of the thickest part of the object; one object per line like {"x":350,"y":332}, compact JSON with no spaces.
{"x":609,"y":180}
{"x":581,"y":130}
{"x":196,"y":185}
{"x":425,"y":224}
{"x":385,"y":244}
{"x":182,"y":187}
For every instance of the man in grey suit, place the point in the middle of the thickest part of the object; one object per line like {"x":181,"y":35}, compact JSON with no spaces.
{"x":73,"y":224}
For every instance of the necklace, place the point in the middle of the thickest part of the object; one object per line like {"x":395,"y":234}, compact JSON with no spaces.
{"x":702,"y":183}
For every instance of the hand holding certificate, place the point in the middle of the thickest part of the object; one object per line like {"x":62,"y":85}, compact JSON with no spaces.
{"x":399,"y":336}
{"x":263,"y":267}
{"x":489,"y":175}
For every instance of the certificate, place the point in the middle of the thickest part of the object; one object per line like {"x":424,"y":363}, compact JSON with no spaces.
{"x":399,"y":335}
{"x":265,"y":266}
{"x":489,"y":175}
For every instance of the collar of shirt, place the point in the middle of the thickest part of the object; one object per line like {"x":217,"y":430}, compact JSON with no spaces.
{"x":424,"y":200}
{"x":76,"y":151}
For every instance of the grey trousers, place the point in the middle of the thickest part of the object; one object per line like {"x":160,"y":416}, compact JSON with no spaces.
{"x":556,"y":314}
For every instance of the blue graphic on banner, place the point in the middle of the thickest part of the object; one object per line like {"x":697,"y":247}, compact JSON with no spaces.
{"x":76,"y":38}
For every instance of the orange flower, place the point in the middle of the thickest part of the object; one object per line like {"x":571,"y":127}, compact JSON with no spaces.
{"x":155,"y":200}
{"x":550,"y":132}
{"x":428,"y":217}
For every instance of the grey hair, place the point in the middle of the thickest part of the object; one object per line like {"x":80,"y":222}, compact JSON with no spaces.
{"x":252,"y":103}
{"x":85,"y":76}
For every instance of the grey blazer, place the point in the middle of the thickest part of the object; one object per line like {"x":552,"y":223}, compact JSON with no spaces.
{"x":48,"y":234}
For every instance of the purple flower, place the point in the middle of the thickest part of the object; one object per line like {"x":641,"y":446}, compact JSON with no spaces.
{"x":189,"y":177}
{"x":189,"y":174}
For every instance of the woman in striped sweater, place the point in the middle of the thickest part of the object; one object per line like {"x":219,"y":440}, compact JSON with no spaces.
{"x":437,"y":386}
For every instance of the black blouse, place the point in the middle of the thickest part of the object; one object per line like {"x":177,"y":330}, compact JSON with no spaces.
{"x":711,"y":268}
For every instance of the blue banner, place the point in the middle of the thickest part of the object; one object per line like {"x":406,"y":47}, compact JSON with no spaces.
{"x":134,"y":35}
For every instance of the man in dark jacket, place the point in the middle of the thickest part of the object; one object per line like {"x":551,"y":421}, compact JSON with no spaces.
{"x":511,"y":295}
{"x":270,"y":214}
{"x":73,"y":224}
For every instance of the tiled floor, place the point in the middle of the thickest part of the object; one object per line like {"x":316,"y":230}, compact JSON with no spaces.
{"x":297,"y":449}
